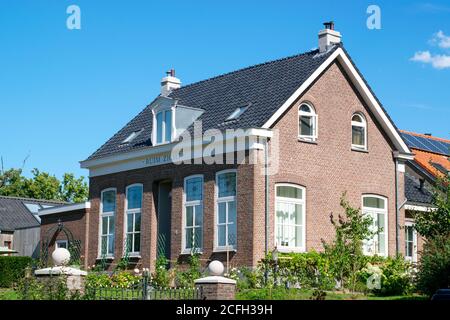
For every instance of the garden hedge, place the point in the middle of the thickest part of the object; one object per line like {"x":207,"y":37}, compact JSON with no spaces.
{"x":12,"y":269}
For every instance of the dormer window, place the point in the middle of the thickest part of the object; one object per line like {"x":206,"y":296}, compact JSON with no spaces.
{"x":164,"y":126}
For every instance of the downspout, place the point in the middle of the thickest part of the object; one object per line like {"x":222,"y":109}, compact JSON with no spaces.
{"x":397,"y":209}
{"x":266,"y":191}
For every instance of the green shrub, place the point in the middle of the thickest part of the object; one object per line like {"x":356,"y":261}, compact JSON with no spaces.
{"x":124,"y":280}
{"x":185,"y":279}
{"x":54,"y":288}
{"x":247,"y":278}
{"x":434,"y":266}
{"x":161,"y":278}
{"x":98,"y":280}
{"x":394,"y":274}
{"x":12,"y":269}
{"x":306,"y":270}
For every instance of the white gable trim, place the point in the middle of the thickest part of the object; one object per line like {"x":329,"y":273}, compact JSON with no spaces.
{"x":359,"y":83}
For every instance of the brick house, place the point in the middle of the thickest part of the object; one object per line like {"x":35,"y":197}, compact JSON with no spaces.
{"x":312,"y":129}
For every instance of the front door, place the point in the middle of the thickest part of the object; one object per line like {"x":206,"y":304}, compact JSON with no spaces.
{"x":164,"y":216}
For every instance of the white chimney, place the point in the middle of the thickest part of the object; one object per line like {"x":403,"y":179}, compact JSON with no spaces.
{"x":169,"y":82}
{"x":328,"y":36}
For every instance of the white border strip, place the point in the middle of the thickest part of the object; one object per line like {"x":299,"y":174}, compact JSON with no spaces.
{"x":67,"y":208}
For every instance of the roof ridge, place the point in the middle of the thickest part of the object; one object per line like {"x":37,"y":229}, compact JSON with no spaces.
{"x":246,"y":68}
{"x":425,"y":136}
{"x":33,"y":199}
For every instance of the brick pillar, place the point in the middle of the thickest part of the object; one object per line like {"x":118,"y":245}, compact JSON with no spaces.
{"x":217,"y":288}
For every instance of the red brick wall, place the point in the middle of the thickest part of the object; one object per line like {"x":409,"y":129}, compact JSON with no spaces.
{"x":176,"y":173}
{"x":75,"y":221}
{"x":329,"y":167}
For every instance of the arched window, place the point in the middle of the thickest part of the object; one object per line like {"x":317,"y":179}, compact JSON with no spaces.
{"x":307,"y":123}
{"x":226,"y":210}
{"x":359,"y":132}
{"x":376,"y":207}
{"x":107,"y":222}
{"x":290,"y":217}
{"x":193,"y":214}
{"x":133,"y":214}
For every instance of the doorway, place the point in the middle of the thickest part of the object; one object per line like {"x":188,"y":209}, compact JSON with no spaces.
{"x":164,"y":216}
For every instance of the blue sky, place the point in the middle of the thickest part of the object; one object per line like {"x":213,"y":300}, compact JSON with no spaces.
{"x":64,"y":92}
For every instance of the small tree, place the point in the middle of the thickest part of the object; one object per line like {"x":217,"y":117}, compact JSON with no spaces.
{"x":436,"y":222}
{"x":434,"y":226}
{"x":345,"y":252}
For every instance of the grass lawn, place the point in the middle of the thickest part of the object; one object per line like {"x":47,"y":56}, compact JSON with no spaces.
{"x":299,"y":294}
{"x":7,"y":294}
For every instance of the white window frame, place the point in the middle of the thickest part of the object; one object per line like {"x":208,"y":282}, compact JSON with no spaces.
{"x":410,"y":223}
{"x":363,"y":125}
{"x":384,"y":211}
{"x":133,"y":211}
{"x":155,"y":125}
{"x":218,"y":200}
{"x":57,"y":244}
{"x":303,"y":213}
{"x":100,"y":229}
{"x":315,"y":119}
{"x":193,"y":203}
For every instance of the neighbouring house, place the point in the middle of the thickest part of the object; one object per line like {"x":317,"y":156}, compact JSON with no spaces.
{"x":20,"y":224}
{"x":239,"y":164}
{"x":432,"y":160}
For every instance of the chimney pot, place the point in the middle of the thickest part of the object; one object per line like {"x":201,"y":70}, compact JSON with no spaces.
{"x":169,"y":82}
{"x":328,"y":37}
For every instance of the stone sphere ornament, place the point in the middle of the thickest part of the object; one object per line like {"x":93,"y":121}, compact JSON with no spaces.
{"x":61,"y":257}
{"x":216,"y":268}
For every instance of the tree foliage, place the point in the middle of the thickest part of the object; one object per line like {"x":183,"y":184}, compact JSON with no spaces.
{"x":436,"y":223}
{"x":43,"y":185}
{"x":345,"y":252}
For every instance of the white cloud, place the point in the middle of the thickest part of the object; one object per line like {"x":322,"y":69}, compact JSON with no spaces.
{"x":438,"y":61}
{"x":441,"y":40}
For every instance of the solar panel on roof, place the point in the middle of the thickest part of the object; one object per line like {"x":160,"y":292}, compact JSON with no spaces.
{"x":423,"y":143}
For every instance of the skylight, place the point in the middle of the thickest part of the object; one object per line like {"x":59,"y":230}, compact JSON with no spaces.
{"x":237,"y":113}
{"x":132,"y":136}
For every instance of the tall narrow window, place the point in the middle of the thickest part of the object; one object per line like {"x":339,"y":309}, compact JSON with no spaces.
{"x":376,"y":207}
{"x":107,"y":222}
{"x":226,"y":235}
{"x":164,"y":126}
{"x":359,"y":132}
{"x":307,"y":123}
{"x":193,"y":219}
{"x":290,"y":217}
{"x":410,"y":242}
{"x":133,"y":218}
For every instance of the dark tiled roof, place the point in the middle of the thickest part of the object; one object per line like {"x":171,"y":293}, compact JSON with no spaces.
{"x":414,"y":193}
{"x":265,"y":86}
{"x":15,"y":215}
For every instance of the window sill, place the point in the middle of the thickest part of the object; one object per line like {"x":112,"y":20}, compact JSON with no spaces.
{"x":224,"y":249}
{"x":106,"y":258}
{"x":290,"y":250}
{"x":360,"y":150}
{"x":304,"y":140}
{"x":134,"y":256}
{"x":189,"y":252}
